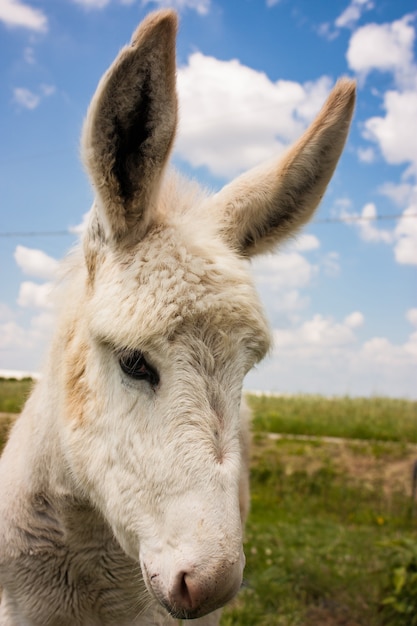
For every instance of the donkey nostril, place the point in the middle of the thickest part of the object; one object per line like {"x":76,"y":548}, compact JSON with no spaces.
{"x":184,"y":592}
{"x":189,"y":591}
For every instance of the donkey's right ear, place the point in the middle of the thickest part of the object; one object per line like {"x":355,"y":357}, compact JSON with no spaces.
{"x":130,"y":128}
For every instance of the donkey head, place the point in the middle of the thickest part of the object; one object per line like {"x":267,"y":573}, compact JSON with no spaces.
{"x":168,"y":323}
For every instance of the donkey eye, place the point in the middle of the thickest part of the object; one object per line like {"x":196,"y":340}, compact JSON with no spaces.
{"x":136,"y":366}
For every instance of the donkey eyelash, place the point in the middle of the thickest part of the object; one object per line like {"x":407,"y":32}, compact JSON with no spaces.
{"x":134,"y":364}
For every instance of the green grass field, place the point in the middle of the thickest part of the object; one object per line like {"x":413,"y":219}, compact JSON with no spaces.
{"x":13,"y":394}
{"x":383,"y":419}
{"x":331,"y":538}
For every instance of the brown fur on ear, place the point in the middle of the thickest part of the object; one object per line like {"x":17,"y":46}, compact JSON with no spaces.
{"x":273,"y":201}
{"x":130,"y":128}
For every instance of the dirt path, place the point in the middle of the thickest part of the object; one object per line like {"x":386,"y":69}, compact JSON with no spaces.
{"x":389,"y":464}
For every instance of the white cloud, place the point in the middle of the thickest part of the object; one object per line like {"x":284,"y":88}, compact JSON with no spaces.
{"x":315,"y":335}
{"x":6,"y":314}
{"x":353,"y":13}
{"x":380,"y":351}
{"x":366,"y":155}
{"x":47,"y":90}
{"x":354,"y":320}
{"x":22,"y":346}
{"x":42,"y":323}
{"x":29,"y":55}
{"x":347,"y":19}
{"x":401,"y":194}
{"x":393,"y":133}
{"x":383,"y":47}
{"x":284,"y":279}
{"x":233,"y":117}
{"x":33,"y":295}
{"x":367,"y":229}
{"x":411,"y":316}
{"x":283,"y":271}
{"x":411,"y":347}
{"x":364,"y":224}
{"x":330,"y":264}
{"x":28,"y":99}
{"x":389,"y":48}
{"x":36,"y":263}
{"x":322,"y":355}
{"x":289,"y":304}
{"x":11,"y":335}
{"x":305,"y":242}
{"x":80,"y":228}
{"x":342,"y":208}
{"x":403,"y":237}
{"x":280,"y":279}
{"x":405,"y":249}
{"x":201,"y":6}
{"x":15,"y":13}
{"x":327,"y":31}
{"x":92,"y":4}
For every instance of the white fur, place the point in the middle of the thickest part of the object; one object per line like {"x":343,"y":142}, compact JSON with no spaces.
{"x":122,"y":501}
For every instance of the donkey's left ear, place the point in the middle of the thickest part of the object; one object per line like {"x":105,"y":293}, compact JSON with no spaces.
{"x":273,"y":201}
{"x":130,"y":128}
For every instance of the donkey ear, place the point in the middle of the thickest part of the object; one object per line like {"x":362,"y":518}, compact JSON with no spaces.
{"x":130,"y":128}
{"x":273,"y":201}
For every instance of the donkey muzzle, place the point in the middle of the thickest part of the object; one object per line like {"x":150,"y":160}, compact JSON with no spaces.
{"x":191,"y":591}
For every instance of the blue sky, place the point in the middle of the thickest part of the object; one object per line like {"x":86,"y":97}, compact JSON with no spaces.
{"x":252,"y":74}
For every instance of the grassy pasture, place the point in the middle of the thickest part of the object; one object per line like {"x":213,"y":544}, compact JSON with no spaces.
{"x":331,"y":538}
{"x":13,"y":394}
{"x":382,"y":419}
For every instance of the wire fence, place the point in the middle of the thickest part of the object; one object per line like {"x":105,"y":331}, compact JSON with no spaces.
{"x":351,"y":219}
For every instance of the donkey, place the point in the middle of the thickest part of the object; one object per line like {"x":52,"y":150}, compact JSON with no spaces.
{"x":124,"y":483}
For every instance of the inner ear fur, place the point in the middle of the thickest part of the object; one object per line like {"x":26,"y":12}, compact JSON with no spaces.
{"x":130,"y":128}
{"x":271,"y":202}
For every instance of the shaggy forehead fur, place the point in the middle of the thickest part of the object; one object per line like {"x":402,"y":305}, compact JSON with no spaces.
{"x":180,"y":274}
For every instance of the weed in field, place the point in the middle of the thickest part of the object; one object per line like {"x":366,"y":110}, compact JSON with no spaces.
{"x":399,"y":602}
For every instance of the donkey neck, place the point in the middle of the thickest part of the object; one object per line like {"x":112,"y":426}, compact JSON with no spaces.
{"x":54,"y":533}
{"x":37,"y":470}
